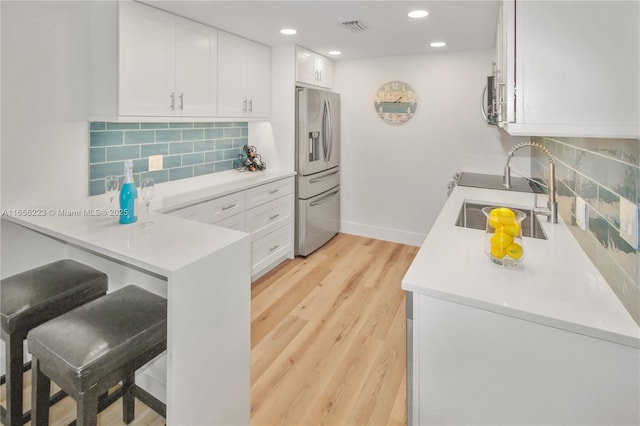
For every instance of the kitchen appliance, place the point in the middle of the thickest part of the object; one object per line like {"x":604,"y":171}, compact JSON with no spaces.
{"x":318,"y":168}
{"x":490,"y":108}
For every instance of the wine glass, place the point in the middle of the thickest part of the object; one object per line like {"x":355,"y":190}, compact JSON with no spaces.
{"x":111,"y":186}
{"x":148,"y":189}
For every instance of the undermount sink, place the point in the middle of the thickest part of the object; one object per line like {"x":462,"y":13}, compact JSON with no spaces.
{"x":471,"y":216}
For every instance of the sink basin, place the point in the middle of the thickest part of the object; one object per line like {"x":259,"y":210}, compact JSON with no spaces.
{"x":471,"y":216}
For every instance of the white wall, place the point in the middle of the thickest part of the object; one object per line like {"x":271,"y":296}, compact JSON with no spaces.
{"x":45,"y":102}
{"x":394,"y":177}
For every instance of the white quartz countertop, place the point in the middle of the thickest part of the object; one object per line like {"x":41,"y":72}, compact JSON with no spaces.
{"x":556,"y":284}
{"x":182,"y":193}
{"x":163,"y":247}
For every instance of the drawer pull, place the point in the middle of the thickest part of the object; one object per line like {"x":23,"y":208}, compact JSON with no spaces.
{"x":229,"y":206}
{"x":321,"y":178}
{"x":274,"y":247}
{"x":274,"y":216}
{"x":273,"y":191}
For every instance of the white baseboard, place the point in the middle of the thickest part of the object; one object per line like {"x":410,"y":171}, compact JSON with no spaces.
{"x":379,"y":233}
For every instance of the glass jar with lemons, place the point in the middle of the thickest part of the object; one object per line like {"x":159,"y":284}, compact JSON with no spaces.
{"x":503,"y":236}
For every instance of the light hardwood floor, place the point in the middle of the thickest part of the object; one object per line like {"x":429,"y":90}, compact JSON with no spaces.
{"x":328,"y":337}
{"x":327,"y":341}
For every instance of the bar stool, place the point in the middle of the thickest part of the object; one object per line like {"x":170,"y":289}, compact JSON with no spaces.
{"x":92,"y":348}
{"x":31,"y":298}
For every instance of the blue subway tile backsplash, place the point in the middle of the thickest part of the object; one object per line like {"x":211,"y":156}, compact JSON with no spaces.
{"x":188,"y":149}
{"x":602,"y":172}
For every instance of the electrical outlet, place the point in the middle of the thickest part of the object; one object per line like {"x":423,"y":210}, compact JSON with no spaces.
{"x":629,"y":222}
{"x":155,"y":163}
{"x":582,"y":215}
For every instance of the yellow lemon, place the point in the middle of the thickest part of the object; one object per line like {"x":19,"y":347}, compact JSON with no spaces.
{"x":502,"y":211}
{"x":498,"y":252}
{"x":514,"y":251}
{"x":512,"y":229}
{"x":501,"y":239}
{"x":503,"y":215}
{"x":494,"y":222}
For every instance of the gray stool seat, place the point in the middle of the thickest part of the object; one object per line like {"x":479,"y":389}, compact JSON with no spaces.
{"x":37,"y":295}
{"x":90,"y":349}
{"x":31,"y":298}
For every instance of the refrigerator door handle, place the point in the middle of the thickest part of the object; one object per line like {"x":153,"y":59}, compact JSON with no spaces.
{"x":330,"y":131}
{"x":326,"y":129}
{"x":325,"y":198}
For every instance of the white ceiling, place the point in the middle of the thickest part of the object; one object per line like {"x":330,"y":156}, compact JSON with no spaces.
{"x":462,"y":24}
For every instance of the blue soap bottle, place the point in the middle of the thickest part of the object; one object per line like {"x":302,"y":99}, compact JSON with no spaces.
{"x":128,"y":195}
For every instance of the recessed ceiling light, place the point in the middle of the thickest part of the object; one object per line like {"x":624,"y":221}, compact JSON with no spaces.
{"x":438,"y":44}
{"x":288,"y":31}
{"x":335,"y":52}
{"x":418,"y":14}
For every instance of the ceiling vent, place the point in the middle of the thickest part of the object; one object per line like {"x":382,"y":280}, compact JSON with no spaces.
{"x":354,"y":26}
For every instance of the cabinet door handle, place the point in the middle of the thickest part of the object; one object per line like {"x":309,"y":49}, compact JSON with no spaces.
{"x":181,"y":101}
{"x":274,"y":216}
{"x":273,"y":191}
{"x":172,"y":107}
{"x":228,"y":206}
{"x":250,"y":105}
{"x":274,"y":247}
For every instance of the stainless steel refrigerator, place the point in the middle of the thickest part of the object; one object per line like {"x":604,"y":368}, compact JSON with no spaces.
{"x":318,"y":167}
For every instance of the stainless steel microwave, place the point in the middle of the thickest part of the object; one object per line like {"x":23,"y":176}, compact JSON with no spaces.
{"x":489,"y":105}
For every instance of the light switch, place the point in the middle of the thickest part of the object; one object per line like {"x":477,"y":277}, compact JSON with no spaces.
{"x":155,"y":163}
{"x":629,"y":222}
{"x":582,"y":215}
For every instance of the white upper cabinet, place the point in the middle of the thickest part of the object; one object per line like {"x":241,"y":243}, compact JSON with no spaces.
{"x":196,"y":69}
{"x":244,"y":77}
{"x":146,"y":60}
{"x":313,"y":69}
{"x":167,"y":64}
{"x":569,"y":69}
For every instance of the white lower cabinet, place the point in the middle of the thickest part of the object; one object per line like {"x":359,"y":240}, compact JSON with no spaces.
{"x":237,"y":222}
{"x":474,"y":366}
{"x":216,"y":210}
{"x":266,"y":218}
{"x":265,"y":211}
{"x":266,"y":251}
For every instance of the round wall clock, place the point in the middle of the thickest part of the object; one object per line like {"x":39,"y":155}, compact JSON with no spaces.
{"x":395,"y":102}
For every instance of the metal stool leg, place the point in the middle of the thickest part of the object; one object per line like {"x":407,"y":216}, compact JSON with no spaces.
{"x":40,"y":388}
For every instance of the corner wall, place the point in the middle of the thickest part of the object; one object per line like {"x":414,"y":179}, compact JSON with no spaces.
{"x":394,"y":177}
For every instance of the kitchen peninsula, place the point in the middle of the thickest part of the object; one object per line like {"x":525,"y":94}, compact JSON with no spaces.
{"x":544,"y":342}
{"x":203,"y":270}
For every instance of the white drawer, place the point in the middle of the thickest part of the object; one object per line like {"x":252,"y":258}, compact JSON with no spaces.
{"x":221,"y":208}
{"x":267,"y":217}
{"x":237,"y":222}
{"x":191,"y":212}
{"x":265,"y":193}
{"x":270,"y":248}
